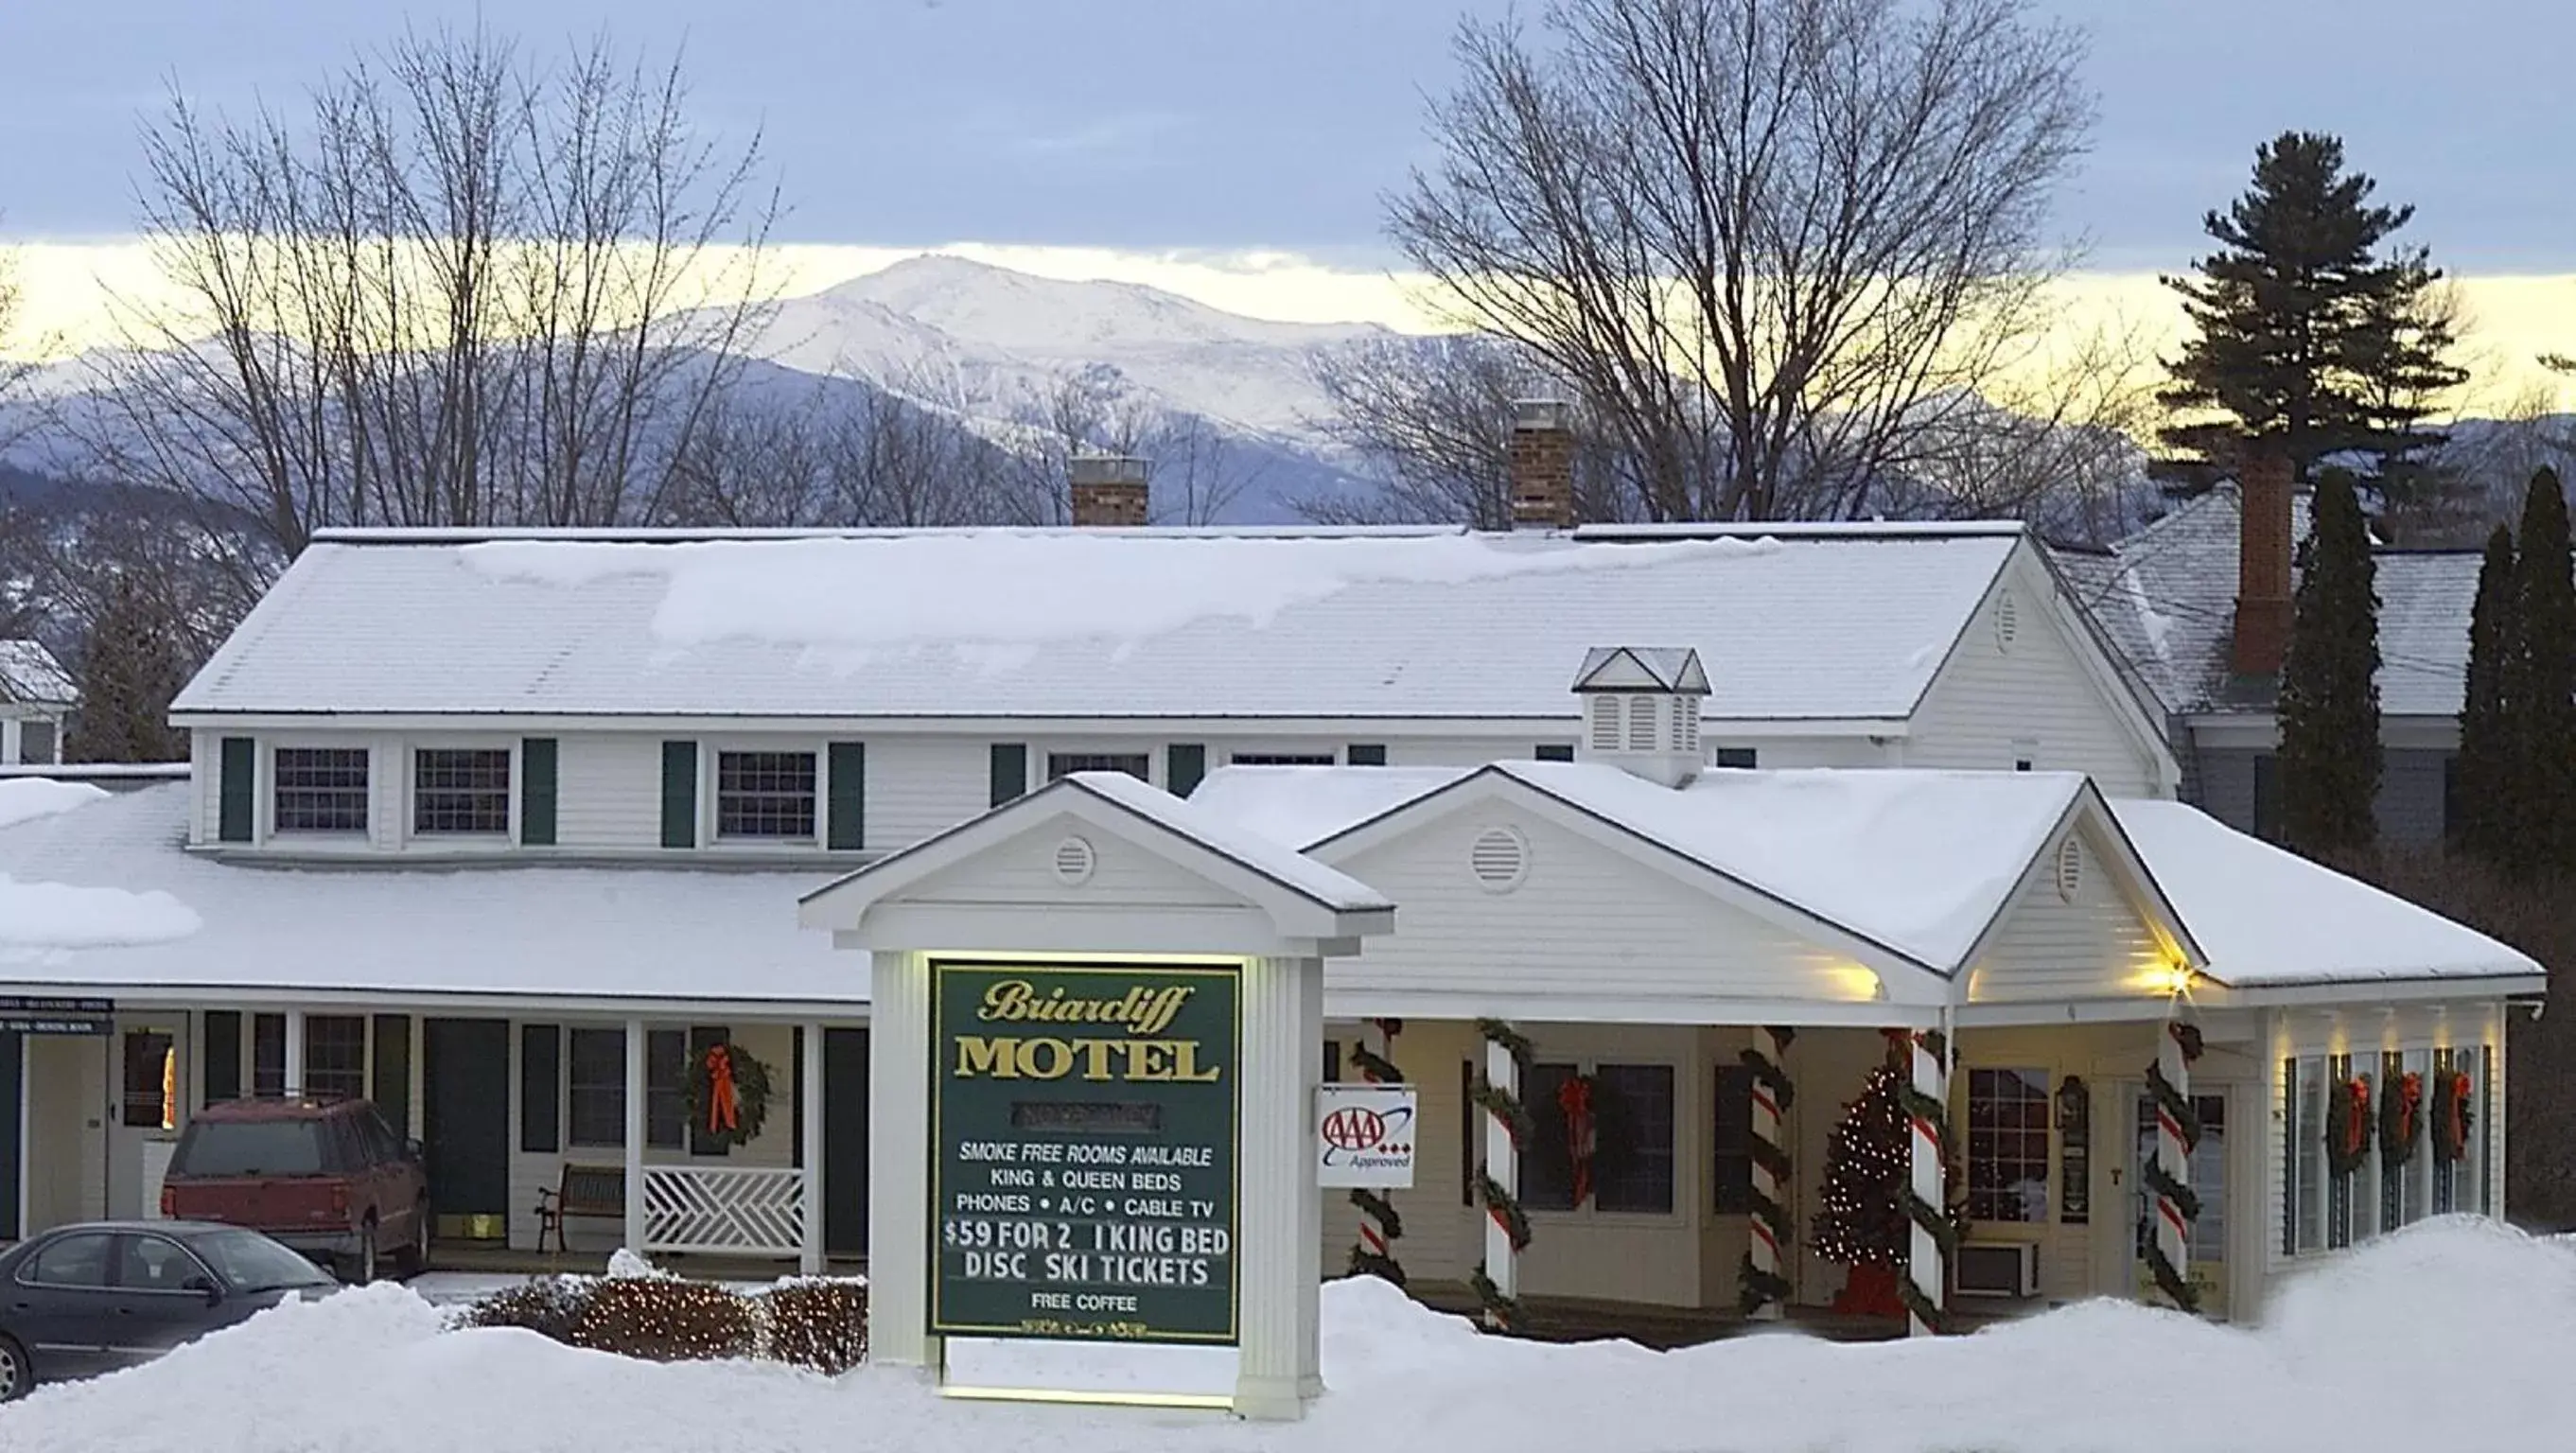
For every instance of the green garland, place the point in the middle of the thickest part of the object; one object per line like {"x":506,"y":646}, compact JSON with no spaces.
{"x":1501,"y":1311}
{"x":1941,"y":1224}
{"x":2174,"y":1104}
{"x":1760,"y":1288}
{"x":1380,"y":1211}
{"x":750,"y":1095}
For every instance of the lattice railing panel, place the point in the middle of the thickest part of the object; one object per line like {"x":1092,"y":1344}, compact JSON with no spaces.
{"x":718,"y":1209}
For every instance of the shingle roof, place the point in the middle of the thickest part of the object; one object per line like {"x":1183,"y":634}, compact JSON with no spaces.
{"x":1833,"y":625}
{"x":2166,"y":599}
{"x":30,"y":674}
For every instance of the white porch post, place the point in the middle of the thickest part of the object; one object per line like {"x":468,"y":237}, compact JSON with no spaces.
{"x":1279,"y":1214}
{"x":899,"y":1222}
{"x":26,"y":1153}
{"x":1503,"y":1168}
{"x":291,"y":1074}
{"x":1768,"y":1227}
{"x":635,"y":1092}
{"x":809,"y":1093}
{"x":2177,"y":1131}
{"x":1924,"y":1262}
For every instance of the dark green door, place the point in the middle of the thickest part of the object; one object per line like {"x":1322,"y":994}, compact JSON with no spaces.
{"x":465,"y":1119}
{"x":13,"y":1049}
{"x":845,"y":1142}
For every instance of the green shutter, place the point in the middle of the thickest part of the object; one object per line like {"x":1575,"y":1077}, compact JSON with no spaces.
{"x":537,"y":792}
{"x":679,"y":794}
{"x":219,"y":1056}
{"x":1365,"y":754}
{"x":240,"y":769}
{"x":1010,"y":771}
{"x":1184,"y":767}
{"x":391,"y":1072}
{"x":540,"y":1088}
{"x":847,"y":822}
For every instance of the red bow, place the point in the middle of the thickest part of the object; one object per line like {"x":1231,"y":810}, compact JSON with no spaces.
{"x":722,"y":1111}
{"x":1574,"y":1098}
{"x":2356,"y":1126}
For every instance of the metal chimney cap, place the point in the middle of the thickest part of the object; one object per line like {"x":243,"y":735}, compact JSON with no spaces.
{"x":1108,"y":469}
{"x":1537,"y":414}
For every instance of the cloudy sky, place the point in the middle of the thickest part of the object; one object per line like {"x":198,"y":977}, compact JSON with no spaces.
{"x":1131,"y":136}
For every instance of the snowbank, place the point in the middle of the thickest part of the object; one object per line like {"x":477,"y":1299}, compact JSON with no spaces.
{"x":24,"y":799}
{"x":60,"y":916}
{"x":2455,"y":1335}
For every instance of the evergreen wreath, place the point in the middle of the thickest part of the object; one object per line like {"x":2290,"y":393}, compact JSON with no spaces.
{"x":2348,"y":1125}
{"x":728,"y":1095}
{"x":2401,"y":1119}
{"x":2453,"y":1118}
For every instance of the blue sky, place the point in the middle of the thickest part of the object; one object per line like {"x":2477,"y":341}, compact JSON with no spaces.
{"x":1275,"y":124}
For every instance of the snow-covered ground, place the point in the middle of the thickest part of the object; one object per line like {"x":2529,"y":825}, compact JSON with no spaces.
{"x":2453,"y":1335}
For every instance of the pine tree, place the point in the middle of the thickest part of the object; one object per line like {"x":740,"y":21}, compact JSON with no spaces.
{"x":2485,"y":823}
{"x":2540,"y":686}
{"x":130,"y":669}
{"x":2308,"y":336}
{"x":1867,"y":1165}
{"x":2329,"y":706}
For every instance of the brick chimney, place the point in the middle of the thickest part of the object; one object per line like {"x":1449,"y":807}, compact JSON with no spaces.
{"x":1109,"y":491}
{"x":2263,"y":609}
{"x":1542,"y":465}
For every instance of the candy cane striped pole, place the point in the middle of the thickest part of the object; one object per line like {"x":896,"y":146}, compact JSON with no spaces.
{"x":1380,"y":1227}
{"x":2169,"y":1176}
{"x":1925,"y":1263}
{"x":1766,"y":1285}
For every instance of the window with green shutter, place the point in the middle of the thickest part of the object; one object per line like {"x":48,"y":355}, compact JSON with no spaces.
{"x":679,"y":794}
{"x":239,"y":790}
{"x":1010,"y":771}
{"x":1184,"y":766}
{"x":845,"y":821}
{"x":537,"y":792}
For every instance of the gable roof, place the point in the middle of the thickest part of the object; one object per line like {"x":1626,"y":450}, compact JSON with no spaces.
{"x":2166,"y":599}
{"x":1096,"y":624}
{"x":1642,"y":668}
{"x":29,"y":674}
{"x":1916,"y":862}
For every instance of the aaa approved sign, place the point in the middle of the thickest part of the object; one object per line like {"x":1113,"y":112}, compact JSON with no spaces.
{"x":1364,"y":1135}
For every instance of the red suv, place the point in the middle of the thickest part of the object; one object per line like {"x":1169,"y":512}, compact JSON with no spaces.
{"x":322,"y":1175}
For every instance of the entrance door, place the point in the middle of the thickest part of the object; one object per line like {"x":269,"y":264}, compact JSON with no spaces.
{"x":2208,"y":1270}
{"x":146,"y":1098}
{"x":845,"y":1142}
{"x":465,"y":1121}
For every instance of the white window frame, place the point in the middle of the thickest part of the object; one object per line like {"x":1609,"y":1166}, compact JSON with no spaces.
{"x":412,"y":747}
{"x":264,"y":783}
{"x":2051,"y":1161}
{"x":1042,"y":755}
{"x":710,"y":761}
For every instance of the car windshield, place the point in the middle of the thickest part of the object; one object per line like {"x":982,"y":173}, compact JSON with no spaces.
{"x":253,"y":1263}
{"x":250,"y":1148}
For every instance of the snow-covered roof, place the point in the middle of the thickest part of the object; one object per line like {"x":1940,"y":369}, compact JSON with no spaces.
{"x":29,"y":674}
{"x":1278,"y":861}
{"x":1918,"y":862}
{"x":1632,"y":668}
{"x":104,"y":895}
{"x":2166,"y":598}
{"x":2271,"y":919}
{"x":1801,"y":625}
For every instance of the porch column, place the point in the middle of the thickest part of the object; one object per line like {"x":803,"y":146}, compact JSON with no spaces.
{"x":2169,"y":1174}
{"x":809,"y":1093}
{"x":1926,"y":1110}
{"x":1279,"y":1211}
{"x":635,"y":1092}
{"x":900,"y":1223}
{"x":1766,"y":1287}
{"x":291,"y":1074}
{"x":1497,"y":1279}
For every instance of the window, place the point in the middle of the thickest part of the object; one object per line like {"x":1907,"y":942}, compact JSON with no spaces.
{"x":1632,"y":1139}
{"x":335,"y":1055}
{"x":2415,"y":1193}
{"x":595,"y":1103}
{"x":765,"y":795}
{"x":37,"y":743}
{"x":1731,"y":1153}
{"x":74,"y":1261}
{"x":320,"y":789}
{"x":1332,"y":1067}
{"x":268,"y":1054}
{"x":2025,"y":755}
{"x":1740,"y":759}
{"x":159,"y":1264}
{"x":2267,"y":799}
{"x":151,"y":1088}
{"x":2007,"y":1145}
{"x":460,"y":791}
{"x":1554,"y":752}
{"x":666,"y":1093}
{"x":1547,"y":1169}
{"x":1065,"y":764}
{"x":1284,"y":759}
{"x":2306,"y":1128}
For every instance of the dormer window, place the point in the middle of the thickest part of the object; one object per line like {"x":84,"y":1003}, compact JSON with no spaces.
{"x":319,"y":790}
{"x":765,"y":796}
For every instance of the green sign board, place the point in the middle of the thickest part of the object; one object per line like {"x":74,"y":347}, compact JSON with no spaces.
{"x":1084,"y":1120}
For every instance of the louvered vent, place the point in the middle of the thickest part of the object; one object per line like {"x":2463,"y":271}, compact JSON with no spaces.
{"x":1605,"y":723}
{"x":2070,"y":869}
{"x":1499,"y":858}
{"x":2007,"y":621}
{"x":1641,"y":723}
{"x":1074,"y":861}
{"x":1686,"y":724}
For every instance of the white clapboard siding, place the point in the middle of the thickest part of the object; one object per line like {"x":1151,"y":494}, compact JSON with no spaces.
{"x":608,"y":790}
{"x":2014,"y":677}
{"x":2049,"y":945}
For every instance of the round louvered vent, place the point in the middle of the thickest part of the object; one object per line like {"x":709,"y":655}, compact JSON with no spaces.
{"x":1074,"y":861}
{"x":1499,"y":859}
{"x":2070,"y":869}
{"x":2007,"y":621}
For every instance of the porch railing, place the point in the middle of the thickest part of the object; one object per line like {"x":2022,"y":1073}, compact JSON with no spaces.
{"x":724,"y":1209}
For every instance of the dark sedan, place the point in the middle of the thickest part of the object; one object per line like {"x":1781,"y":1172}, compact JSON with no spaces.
{"x":92,"y":1298}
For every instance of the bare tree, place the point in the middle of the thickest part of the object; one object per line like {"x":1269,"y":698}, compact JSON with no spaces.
{"x":462,"y":288}
{"x":1772,"y":243}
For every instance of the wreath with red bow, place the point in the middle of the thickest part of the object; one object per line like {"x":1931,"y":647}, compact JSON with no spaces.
{"x":2453,"y":1115}
{"x":2348,"y":1125}
{"x":1582,"y":1132}
{"x":728,"y":1095}
{"x":2401,"y":1118}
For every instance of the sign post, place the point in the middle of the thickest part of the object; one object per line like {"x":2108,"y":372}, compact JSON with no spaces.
{"x":1085,"y":1133}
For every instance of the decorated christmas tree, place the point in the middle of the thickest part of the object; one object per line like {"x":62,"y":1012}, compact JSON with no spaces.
{"x":1866,"y":1170}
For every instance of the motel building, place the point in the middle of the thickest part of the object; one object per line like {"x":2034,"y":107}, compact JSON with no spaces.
{"x":1632,"y":855}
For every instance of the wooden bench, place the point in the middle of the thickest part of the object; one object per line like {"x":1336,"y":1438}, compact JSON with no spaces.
{"x":584,"y":1190}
